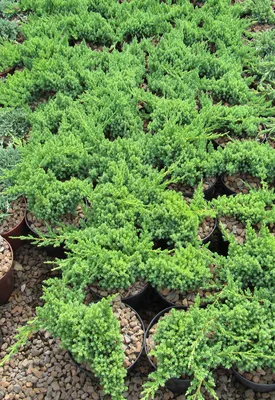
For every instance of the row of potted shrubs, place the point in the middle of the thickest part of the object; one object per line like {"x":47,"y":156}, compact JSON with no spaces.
{"x":126,"y":128}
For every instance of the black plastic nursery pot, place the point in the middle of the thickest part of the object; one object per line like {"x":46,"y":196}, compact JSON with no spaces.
{"x":7,"y":282}
{"x":50,"y":250}
{"x":257,"y":387}
{"x":175,"y":385}
{"x":210,"y":236}
{"x":130,"y":368}
{"x":166,"y":303}
{"x":136,"y":300}
{"x":208,"y":193}
{"x":226,"y":189}
{"x":18,"y":230}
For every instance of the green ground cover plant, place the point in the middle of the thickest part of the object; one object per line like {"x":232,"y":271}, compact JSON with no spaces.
{"x":252,"y":263}
{"x":116,"y":104}
{"x":97,"y":340}
{"x":224,"y":334}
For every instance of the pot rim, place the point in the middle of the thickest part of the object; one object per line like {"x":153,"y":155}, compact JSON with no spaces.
{"x":269,"y":386}
{"x":12,"y":259}
{"x":8,"y":233}
{"x":124,"y":299}
{"x":153,"y":322}
{"x":90,"y":374}
{"x":203,"y":240}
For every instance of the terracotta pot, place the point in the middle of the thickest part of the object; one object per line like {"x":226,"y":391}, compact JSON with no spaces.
{"x":7,"y":282}
{"x":18,"y":230}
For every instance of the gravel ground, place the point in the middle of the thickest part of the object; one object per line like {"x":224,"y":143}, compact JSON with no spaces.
{"x":44,"y":371}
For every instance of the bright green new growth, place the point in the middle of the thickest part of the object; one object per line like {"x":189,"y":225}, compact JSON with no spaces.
{"x":238,"y":331}
{"x":91,"y":333}
{"x":252,"y":264}
{"x":183,"y":269}
{"x":254,"y":207}
{"x":248,"y":156}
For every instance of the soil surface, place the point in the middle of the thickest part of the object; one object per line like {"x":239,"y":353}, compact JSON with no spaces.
{"x":222,"y":141}
{"x":261,"y":376}
{"x":233,"y":225}
{"x":43,"y":371}
{"x":238,"y":182}
{"x":39,"y":225}
{"x":206,"y":227}
{"x":16,"y":215}
{"x":185,"y":299}
{"x":133,"y":290}
{"x":189,"y":190}
{"x":5,"y":257}
{"x":271,"y":142}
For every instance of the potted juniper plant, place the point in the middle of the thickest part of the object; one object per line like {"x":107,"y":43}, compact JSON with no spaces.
{"x":14,"y":125}
{"x":252,"y":263}
{"x":179,"y":275}
{"x":246,"y":165}
{"x":235,"y":212}
{"x":97,"y":335}
{"x":190,"y":345}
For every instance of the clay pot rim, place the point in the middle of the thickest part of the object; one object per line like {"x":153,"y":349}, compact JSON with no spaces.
{"x":9,"y":233}
{"x":12,"y":259}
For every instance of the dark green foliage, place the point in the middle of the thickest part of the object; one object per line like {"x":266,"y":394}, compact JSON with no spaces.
{"x":260,"y":10}
{"x":9,"y":158}
{"x":13,"y":123}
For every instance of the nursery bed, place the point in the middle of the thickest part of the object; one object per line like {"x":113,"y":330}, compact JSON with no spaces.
{"x":43,"y":371}
{"x":154,"y":120}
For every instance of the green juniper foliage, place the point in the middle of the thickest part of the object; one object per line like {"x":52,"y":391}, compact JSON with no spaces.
{"x":237,"y":329}
{"x":248,"y":156}
{"x":254,"y":207}
{"x":253,"y":262}
{"x":120,"y":101}
{"x":91,"y":333}
{"x":185,"y":269}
